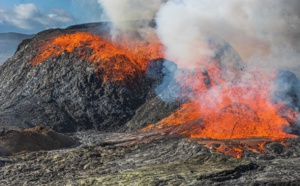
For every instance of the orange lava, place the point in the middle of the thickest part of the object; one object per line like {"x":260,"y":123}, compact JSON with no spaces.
{"x":236,"y":148}
{"x":219,"y":110}
{"x":114,"y":61}
{"x":239,"y":109}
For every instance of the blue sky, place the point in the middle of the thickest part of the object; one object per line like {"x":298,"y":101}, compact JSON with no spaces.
{"x":31,"y":16}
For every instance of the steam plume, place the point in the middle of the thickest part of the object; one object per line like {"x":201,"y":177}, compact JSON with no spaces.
{"x":260,"y":33}
{"x":130,"y":16}
{"x":264,"y":32}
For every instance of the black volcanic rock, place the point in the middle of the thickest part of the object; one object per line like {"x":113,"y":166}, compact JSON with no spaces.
{"x":166,"y":162}
{"x":103,"y":159}
{"x":66,"y":93}
{"x":151,"y":112}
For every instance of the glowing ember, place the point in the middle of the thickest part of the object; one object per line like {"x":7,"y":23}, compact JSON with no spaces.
{"x":115,"y":62}
{"x":222,"y":110}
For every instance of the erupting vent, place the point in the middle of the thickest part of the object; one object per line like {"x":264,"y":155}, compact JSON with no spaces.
{"x":241,"y":110}
{"x":235,"y":114}
{"x":115,"y":62}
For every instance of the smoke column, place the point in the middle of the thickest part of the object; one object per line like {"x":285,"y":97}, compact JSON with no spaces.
{"x":264,"y":32}
{"x":130,"y":16}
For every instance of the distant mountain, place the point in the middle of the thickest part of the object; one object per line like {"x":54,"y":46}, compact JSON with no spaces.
{"x":9,"y":43}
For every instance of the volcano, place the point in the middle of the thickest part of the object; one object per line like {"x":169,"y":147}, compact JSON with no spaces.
{"x":35,"y":92}
{"x":138,"y":116}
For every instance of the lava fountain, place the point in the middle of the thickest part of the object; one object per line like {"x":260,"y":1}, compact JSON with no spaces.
{"x":229,"y":116}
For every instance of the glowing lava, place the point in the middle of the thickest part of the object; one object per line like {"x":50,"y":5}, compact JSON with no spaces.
{"x":235,"y":115}
{"x":226,"y":111}
{"x":114,"y":62}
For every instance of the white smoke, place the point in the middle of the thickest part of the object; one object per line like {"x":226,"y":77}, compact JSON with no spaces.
{"x":130,"y":16}
{"x":119,"y":11}
{"x":264,"y":32}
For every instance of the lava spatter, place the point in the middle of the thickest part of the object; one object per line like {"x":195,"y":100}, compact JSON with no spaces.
{"x":227,"y":111}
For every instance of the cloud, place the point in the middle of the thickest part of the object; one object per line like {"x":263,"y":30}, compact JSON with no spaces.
{"x":29,"y":17}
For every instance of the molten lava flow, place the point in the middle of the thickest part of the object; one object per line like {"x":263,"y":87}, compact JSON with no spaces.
{"x":115,"y":62}
{"x":221,"y":110}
